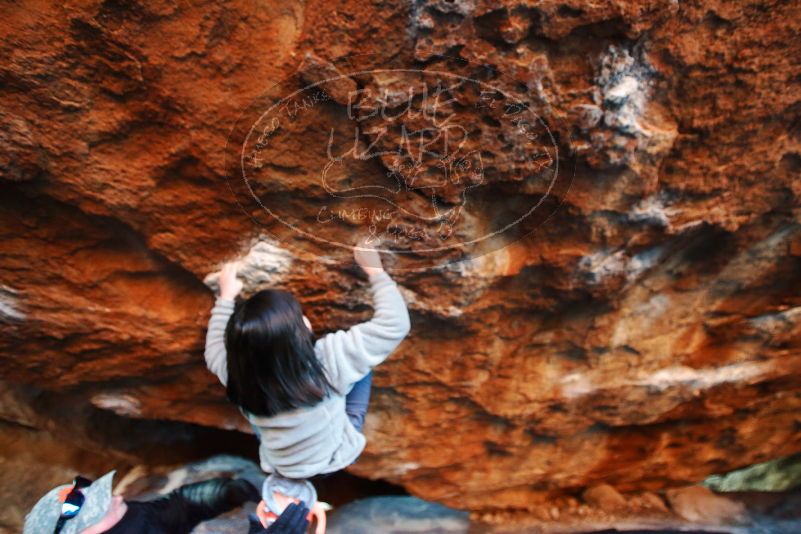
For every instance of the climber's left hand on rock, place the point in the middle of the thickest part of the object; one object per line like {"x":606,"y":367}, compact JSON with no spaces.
{"x":230,"y":285}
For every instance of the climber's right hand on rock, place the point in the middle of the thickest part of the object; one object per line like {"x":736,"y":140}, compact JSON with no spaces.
{"x":369,"y":260}
{"x":230,"y":285}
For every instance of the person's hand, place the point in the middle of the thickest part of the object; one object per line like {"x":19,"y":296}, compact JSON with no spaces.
{"x":230,"y":285}
{"x":293,"y":520}
{"x":368,"y":260}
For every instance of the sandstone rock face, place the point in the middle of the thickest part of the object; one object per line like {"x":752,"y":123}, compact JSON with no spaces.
{"x":640,"y":328}
{"x":604,"y":497}
{"x":699,"y":505}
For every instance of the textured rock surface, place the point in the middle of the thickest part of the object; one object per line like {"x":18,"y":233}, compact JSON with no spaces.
{"x":396,"y":515}
{"x":645,"y":336}
{"x":776,"y":475}
{"x":698,"y":504}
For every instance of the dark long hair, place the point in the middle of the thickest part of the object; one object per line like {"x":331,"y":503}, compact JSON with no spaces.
{"x":272,"y":367}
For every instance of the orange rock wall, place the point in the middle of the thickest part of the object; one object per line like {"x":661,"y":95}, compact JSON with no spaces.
{"x":646,"y":335}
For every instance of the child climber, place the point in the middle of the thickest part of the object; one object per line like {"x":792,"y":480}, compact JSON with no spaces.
{"x":306,"y":398}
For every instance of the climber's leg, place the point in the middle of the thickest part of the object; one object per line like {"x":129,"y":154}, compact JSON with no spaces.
{"x":357,"y":400}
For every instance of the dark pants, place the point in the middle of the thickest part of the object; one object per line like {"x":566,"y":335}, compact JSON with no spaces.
{"x":357,"y":400}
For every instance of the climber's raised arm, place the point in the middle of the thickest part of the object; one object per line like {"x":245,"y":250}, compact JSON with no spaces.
{"x":349,"y":355}
{"x":230,"y":286}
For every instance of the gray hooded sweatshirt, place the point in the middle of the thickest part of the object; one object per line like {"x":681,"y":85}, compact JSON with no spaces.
{"x":321,"y":439}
